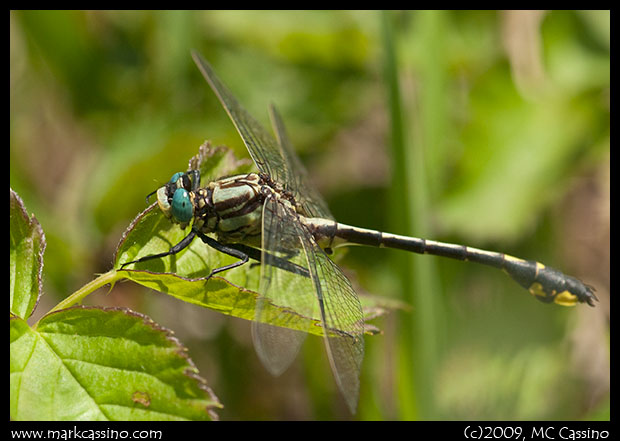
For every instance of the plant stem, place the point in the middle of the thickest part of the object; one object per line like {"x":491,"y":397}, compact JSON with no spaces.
{"x":107,"y":278}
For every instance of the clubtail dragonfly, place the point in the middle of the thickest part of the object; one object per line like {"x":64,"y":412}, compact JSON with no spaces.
{"x":276,"y":217}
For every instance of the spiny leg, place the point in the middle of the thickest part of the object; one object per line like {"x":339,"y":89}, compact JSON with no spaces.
{"x":243,"y":252}
{"x":206,"y":239}
{"x":234,"y":252}
{"x":174,"y":250}
{"x":278,"y":262}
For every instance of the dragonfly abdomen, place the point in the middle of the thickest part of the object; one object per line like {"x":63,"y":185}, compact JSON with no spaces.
{"x":545,"y":283}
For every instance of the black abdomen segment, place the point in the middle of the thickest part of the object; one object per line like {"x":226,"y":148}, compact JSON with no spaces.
{"x":545,"y":283}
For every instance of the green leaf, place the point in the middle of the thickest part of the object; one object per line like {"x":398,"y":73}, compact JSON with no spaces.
{"x":223,"y":296}
{"x":88,"y":363}
{"x":26,"y":259}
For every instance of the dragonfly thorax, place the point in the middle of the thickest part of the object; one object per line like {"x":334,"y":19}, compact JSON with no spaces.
{"x":231,"y":207}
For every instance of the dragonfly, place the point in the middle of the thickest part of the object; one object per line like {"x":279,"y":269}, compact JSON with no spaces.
{"x":276,"y":217}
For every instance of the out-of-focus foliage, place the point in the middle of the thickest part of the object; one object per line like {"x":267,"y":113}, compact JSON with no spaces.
{"x":508,"y":113}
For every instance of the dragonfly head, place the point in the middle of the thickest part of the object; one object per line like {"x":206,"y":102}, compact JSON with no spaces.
{"x":174,"y":199}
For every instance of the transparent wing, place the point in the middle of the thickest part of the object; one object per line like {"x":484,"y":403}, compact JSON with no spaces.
{"x":327,"y":294}
{"x":261,"y":145}
{"x":279,"y":161}
{"x":305,"y":193}
{"x":278,"y":346}
{"x":342,"y":317}
{"x":284,"y":237}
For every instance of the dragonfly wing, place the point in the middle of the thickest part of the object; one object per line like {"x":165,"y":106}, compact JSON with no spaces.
{"x":284,"y":237}
{"x":277,"y":159}
{"x":305,"y":193}
{"x":262,"y":146}
{"x":342,"y":317}
{"x":326,"y":294}
{"x":277,"y":346}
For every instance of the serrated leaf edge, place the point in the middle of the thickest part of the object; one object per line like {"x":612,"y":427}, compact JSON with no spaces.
{"x":191,"y":371}
{"x":34,"y":223}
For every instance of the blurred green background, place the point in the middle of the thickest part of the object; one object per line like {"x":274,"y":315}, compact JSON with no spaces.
{"x":485,"y":128}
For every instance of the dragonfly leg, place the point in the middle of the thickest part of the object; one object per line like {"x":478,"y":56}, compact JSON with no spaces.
{"x":279,"y":262}
{"x":253,"y":253}
{"x":231,"y":251}
{"x":243,"y":252}
{"x":175,"y":249}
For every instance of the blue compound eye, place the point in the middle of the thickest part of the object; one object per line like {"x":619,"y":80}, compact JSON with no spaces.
{"x":182,"y":208}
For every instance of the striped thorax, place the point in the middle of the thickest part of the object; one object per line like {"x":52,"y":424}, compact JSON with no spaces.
{"x":237,"y":204}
